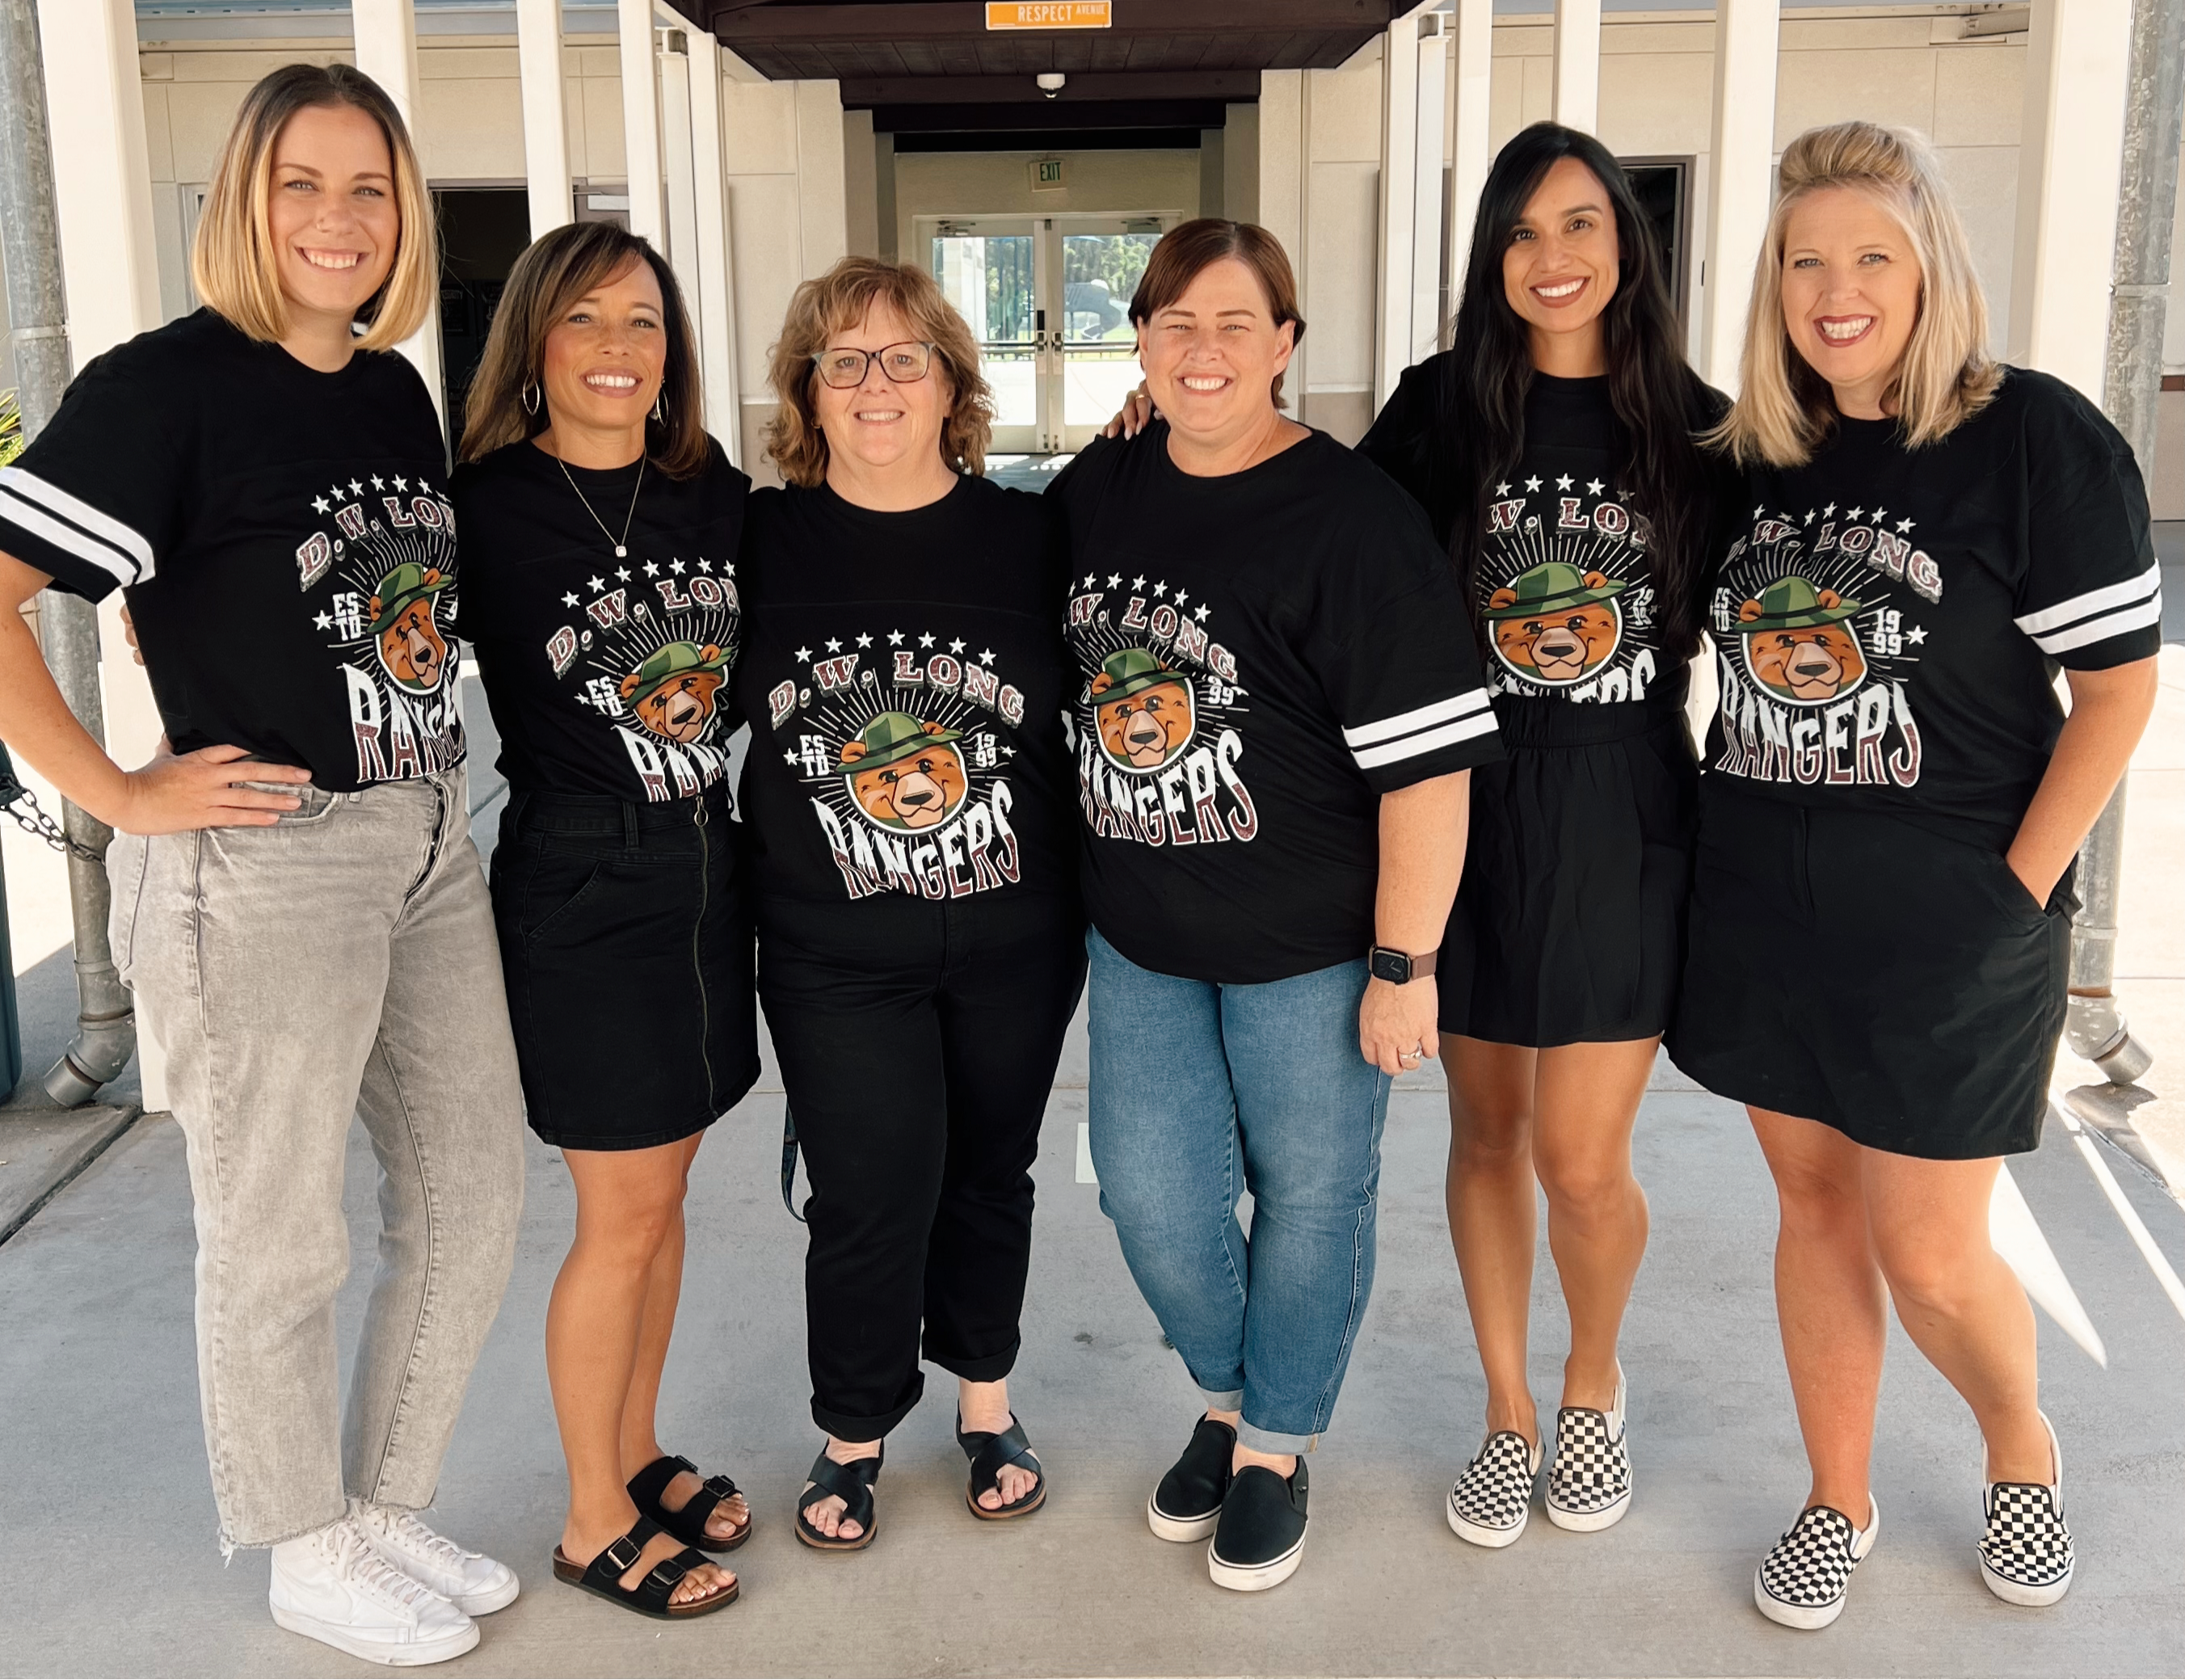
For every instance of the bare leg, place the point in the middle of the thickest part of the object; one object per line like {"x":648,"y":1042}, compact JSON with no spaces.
{"x":985,"y":1407}
{"x":1828,"y":1301}
{"x":827,"y":1516}
{"x":1959,"y":1301}
{"x":628,"y":1202}
{"x":1492,"y":1216}
{"x":1586,"y":1101}
{"x":640,"y":1443}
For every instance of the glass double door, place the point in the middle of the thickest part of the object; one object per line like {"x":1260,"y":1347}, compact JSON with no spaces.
{"x":1047,"y":298}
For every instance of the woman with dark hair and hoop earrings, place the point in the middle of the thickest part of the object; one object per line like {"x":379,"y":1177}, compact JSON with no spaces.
{"x":600,"y":527}
{"x":1552,"y":447}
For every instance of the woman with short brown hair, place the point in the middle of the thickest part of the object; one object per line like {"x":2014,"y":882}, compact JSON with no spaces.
{"x":601,"y":526}
{"x":908,"y":795}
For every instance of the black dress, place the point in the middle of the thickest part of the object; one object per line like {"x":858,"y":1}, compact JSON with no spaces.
{"x":1888,"y":631}
{"x":618,"y":888}
{"x":1569,"y":922}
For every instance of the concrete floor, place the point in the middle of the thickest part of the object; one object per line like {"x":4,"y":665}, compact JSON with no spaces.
{"x":109,"y":1540}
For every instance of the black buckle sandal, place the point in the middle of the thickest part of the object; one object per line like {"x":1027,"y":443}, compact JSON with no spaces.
{"x":650,"y":1485}
{"x":850,"y":1483}
{"x":602,"y":1578}
{"x":989,"y":1453}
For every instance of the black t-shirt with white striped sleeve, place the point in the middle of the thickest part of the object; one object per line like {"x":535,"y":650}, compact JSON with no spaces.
{"x":1260,"y":656}
{"x":1888,"y":629}
{"x":284,"y":537}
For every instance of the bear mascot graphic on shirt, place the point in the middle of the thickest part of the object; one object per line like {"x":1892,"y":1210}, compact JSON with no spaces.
{"x":405,"y":629}
{"x":672,"y":692}
{"x":905,"y":774}
{"x":1143,"y":710}
{"x":1555,"y":624}
{"x":1799,"y":645}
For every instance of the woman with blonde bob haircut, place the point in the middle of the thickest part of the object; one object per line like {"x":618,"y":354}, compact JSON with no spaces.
{"x":297,"y":902}
{"x":908,"y":796}
{"x":1881,"y":912}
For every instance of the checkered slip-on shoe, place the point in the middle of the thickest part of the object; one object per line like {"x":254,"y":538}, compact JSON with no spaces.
{"x":1492,"y":1499}
{"x":1802,"y":1580}
{"x":2025,"y":1554}
{"x":1589,"y":1486}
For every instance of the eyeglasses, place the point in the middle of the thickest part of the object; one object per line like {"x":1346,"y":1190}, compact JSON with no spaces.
{"x":845,"y":369}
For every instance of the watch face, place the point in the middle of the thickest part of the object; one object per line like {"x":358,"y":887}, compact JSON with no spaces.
{"x":1392,"y":966}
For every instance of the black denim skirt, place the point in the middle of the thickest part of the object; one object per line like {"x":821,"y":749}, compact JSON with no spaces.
{"x":1865,"y":970}
{"x":626,"y":939}
{"x":1570,"y":922}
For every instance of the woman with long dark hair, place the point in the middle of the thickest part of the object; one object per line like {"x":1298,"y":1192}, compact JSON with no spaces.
{"x":1553,"y":446}
{"x":601,"y":526}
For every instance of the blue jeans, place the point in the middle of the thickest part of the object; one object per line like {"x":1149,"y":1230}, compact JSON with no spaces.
{"x":1200,"y":1092}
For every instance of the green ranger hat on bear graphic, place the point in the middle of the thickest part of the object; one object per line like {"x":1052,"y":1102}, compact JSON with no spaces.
{"x":1131,"y":669}
{"x":1554,"y":586}
{"x":893,"y":735}
{"x":1794,"y":604}
{"x":663,"y":666}
{"x":407,"y":583}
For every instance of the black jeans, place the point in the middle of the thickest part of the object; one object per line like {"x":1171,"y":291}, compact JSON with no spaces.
{"x":918,"y":1043}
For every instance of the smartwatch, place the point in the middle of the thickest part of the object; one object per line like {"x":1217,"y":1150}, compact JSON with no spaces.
{"x":1399,"y":968}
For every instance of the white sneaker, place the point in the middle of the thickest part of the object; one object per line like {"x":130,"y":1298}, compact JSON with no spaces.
{"x":472,"y":1583}
{"x":330,"y":1585}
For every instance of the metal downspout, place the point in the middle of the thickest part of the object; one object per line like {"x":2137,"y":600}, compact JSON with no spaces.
{"x":68,"y":625}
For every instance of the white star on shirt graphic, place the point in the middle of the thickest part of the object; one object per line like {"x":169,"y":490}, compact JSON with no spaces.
{"x":803,"y":654}
{"x":378,"y":483}
{"x":1903,"y":525}
{"x":926,"y":641}
{"x":569,"y":599}
{"x":622,"y":574}
{"x":1160,"y":587}
{"x":323,"y":622}
{"x":320,"y":504}
{"x":1563,"y":483}
{"x":834,"y":645}
{"x":355,"y":488}
{"x":1830,"y":511}
{"x":894,"y":638}
{"x":1200,"y":611}
{"x":652,"y":569}
{"x":1916,"y":634}
{"x":1088,"y":580}
{"x":864,"y":641}
{"x":1878,"y":514}
{"x":1502,"y":489}
{"x":790,"y":759}
{"x":956,"y":646}
{"x":1138,"y":583}
{"x":596,"y":584}
{"x":1593,"y":486}
{"x":676,"y":567}
{"x":986,"y":655}
{"x":1532,"y":483}
{"x":1182,"y":596}
{"x":1853,"y":515}
{"x":1114,"y":578}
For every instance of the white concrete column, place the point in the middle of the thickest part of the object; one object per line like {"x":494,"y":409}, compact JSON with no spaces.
{"x":110,"y":263}
{"x":1578,"y":64}
{"x":545,"y":132}
{"x":386,"y":35}
{"x":1284,"y":174}
{"x":1426,"y":244}
{"x":676,"y":163}
{"x":2071,"y":161}
{"x":1473,"y":45}
{"x":1400,"y":150}
{"x":715,"y":300}
{"x":1742,"y":164}
{"x":640,"y":121}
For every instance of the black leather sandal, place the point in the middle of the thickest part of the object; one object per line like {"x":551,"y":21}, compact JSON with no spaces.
{"x":850,"y":1483}
{"x":989,"y":1453}
{"x":687,"y":1524}
{"x":602,"y":1578}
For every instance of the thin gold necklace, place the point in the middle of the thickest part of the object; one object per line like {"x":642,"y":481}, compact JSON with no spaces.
{"x":620,"y":544}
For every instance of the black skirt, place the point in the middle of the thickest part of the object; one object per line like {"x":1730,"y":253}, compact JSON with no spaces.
{"x":626,"y":940}
{"x":1889,"y":979}
{"x":1569,"y":922}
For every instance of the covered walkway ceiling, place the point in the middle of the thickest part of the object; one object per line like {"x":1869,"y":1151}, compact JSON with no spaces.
{"x":933,"y":66}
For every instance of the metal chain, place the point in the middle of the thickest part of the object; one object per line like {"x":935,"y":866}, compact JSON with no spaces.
{"x":21,"y":804}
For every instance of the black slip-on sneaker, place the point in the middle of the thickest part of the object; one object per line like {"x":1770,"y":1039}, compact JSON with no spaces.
{"x":1188,"y":1504}
{"x":1261,"y":1539}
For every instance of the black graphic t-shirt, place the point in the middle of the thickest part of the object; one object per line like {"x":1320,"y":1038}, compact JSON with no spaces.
{"x":1888,"y":629}
{"x":608,"y":673}
{"x":1566,"y":594}
{"x":903,"y":675}
{"x":1260,"y":657}
{"x":284,"y":538}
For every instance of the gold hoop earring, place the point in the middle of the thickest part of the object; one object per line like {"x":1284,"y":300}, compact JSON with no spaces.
{"x":529,"y":396}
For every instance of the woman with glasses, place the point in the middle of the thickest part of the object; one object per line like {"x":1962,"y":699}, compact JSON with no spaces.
{"x":909,"y":795}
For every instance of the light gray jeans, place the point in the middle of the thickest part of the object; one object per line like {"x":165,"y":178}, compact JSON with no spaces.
{"x":340,"y":963}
